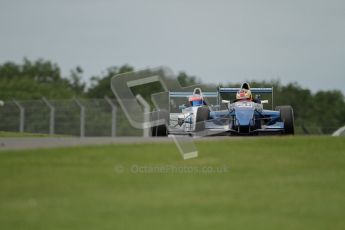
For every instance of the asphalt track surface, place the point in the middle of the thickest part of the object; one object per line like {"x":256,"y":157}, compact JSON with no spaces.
{"x":13,"y":143}
{"x":7,"y":143}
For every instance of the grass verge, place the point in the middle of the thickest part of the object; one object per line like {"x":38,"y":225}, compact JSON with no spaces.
{"x":256,"y":183}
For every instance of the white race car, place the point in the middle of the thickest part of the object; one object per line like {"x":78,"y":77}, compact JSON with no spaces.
{"x":189,"y":117}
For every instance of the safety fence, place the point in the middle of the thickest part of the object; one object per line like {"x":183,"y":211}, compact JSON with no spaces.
{"x":75,"y":117}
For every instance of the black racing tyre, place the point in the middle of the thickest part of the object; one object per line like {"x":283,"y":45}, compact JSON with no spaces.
{"x":202,"y":114}
{"x":159,"y":131}
{"x":287,"y":116}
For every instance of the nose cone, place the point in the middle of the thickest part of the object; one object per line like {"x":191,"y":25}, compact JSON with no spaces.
{"x":244,"y":115}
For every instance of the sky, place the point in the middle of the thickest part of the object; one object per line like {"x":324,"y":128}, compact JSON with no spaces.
{"x":218,"y":41}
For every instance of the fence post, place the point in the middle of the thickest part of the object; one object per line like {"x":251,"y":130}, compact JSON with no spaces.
{"x":82,"y":117}
{"x":272,"y":99}
{"x":147,"y":108}
{"x":113,"y":116}
{"x":51,"y":116}
{"x":21,"y":115}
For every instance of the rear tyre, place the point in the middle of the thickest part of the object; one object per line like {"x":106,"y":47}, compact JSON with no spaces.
{"x":159,"y":131}
{"x":202,"y":114}
{"x":287,"y":116}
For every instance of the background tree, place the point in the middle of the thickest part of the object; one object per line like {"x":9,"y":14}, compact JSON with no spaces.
{"x":100,"y":85}
{"x":186,"y":80}
{"x":328,"y":110}
{"x":76,"y":81}
{"x":33,"y":80}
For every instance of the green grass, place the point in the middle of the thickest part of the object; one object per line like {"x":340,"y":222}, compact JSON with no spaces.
{"x":25,"y":134}
{"x":271,"y":183}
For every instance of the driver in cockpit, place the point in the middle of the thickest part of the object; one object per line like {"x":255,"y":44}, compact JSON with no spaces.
{"x":196,"y":99}
{"x":245,"y":94}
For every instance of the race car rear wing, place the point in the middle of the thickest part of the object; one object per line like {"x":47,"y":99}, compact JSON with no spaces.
{"x":253,"y":90}
{"x":187,"y":94}
{"x":221,"y":90}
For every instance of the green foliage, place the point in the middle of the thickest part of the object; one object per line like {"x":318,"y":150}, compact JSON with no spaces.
{"x":39,"y":70}
{"x":34,"y":80}
{"x":76,"y":81}
{"x":26,"y":88}
{"x":330,"y":106}
{"x":186,"y":80}
{"x":100,"y":85}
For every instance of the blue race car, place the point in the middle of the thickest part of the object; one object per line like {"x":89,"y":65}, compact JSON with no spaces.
{"x":247,"y":116}
{"x":243,"y":116}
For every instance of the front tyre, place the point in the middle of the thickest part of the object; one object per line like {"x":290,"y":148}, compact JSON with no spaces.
{"x":287,"y":116}
{"x":202,"y":115}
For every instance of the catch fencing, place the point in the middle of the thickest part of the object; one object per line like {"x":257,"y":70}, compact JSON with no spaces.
{"x":74,"y":117}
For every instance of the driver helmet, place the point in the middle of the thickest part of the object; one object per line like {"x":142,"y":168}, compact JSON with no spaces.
{"x":243,"y":94}
{"x":196,"y":99}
